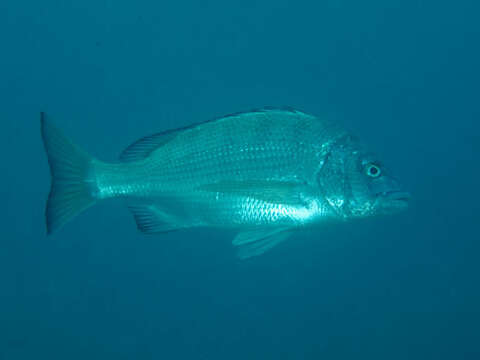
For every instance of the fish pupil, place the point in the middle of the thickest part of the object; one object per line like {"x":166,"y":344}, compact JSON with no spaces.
{"x":373,"y":171}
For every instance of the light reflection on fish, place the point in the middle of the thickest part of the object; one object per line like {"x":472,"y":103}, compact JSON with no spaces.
{"x":265,"y":173}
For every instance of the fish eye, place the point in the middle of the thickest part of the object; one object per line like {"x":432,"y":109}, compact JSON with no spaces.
{"x":373,"y":170}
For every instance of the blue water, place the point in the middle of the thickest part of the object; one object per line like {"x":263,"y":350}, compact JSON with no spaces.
{"x":402,"y":74}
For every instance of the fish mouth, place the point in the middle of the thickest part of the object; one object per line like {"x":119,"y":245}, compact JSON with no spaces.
{"x":394,"y":200}
{"x":396,"y":195}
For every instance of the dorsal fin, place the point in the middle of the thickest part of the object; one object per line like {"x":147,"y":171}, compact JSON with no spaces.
{"x":142,"y":148}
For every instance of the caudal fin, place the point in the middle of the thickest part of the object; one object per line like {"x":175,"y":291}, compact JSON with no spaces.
{"x":72,"y":182}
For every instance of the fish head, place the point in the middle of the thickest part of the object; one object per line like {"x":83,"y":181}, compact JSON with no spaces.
{"x":356,"y":184}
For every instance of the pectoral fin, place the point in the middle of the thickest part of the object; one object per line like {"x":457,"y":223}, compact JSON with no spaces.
{"x":277,"y":192}
{"x":256,"y":242}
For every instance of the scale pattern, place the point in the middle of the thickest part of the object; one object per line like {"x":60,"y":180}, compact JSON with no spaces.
{"x":263,"y":145}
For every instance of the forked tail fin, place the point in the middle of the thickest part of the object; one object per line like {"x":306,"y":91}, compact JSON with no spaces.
{"x":72,"y":183}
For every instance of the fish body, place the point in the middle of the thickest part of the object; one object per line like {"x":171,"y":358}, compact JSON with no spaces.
{"x":265,"y":173}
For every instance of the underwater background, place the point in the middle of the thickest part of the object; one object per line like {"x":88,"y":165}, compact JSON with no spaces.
{"x":402,"y":74}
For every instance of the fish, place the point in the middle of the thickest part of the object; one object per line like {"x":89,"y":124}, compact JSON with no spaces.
{"x":264,"y":173}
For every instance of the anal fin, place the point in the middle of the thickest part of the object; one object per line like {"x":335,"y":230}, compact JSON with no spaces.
{"x":151,"y":219}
